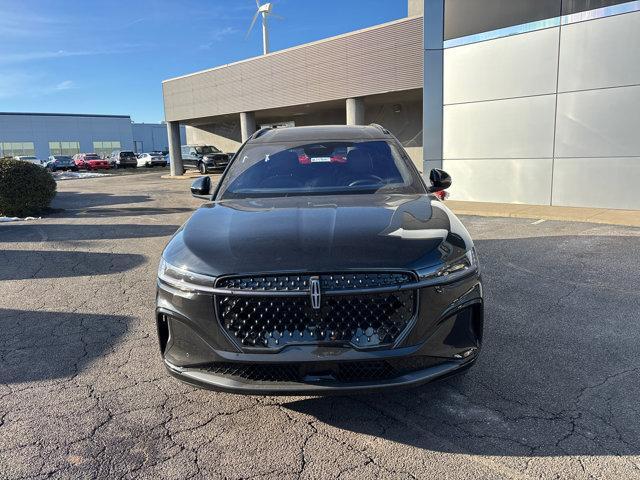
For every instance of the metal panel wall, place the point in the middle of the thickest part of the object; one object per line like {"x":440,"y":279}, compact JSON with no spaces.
{"x":603,"y":53}
{"x":505,"y":68}
{"x":597,"y":161}
{"x":567,"y":126}
{"x":381,"y":59}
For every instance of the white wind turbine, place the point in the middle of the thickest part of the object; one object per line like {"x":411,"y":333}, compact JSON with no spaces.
{"x":265,"y":11}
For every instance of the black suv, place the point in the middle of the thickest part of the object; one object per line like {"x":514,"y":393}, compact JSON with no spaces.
{"x":322,"y":262}
{"x":123,"y":159}
{"x":203,"y":157}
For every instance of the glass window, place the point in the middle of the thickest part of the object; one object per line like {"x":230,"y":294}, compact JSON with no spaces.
{"x":331,"y":167}
{"x":104,"y":148}
{"x":64,"y":148}
{"x":13,"y":149}
{"x":204,"y":150}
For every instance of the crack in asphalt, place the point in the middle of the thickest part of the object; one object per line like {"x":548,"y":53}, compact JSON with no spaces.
{"x":94,"y":400}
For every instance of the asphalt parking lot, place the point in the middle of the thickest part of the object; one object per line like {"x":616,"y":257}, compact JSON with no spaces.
{"x":83,"y":392}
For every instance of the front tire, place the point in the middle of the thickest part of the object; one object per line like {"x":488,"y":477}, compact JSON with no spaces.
{"x":202,"y":168}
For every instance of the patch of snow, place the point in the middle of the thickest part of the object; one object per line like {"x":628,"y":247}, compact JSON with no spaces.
{"x":17,"y":219}
{"x":76,"y":175}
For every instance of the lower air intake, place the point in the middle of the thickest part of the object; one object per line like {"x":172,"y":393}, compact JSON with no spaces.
{"x":346,"y":372}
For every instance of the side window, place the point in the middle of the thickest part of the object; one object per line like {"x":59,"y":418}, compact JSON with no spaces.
{"x":185,"y":151}
{"x":192,"y":152}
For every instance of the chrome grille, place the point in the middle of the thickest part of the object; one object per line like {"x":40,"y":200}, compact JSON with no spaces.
{"x":360,"y":319}
{"x":293,"y":283}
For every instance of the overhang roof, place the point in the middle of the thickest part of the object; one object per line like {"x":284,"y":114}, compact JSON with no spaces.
{"x":376,"y":60}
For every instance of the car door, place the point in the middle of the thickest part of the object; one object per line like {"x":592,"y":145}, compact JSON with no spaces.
{"x":187,"y":158}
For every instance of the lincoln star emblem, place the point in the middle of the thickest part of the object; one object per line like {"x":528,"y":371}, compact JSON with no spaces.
{"x":314,"y":290}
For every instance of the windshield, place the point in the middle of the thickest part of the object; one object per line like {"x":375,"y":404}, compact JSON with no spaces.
{"x":62,"y":159}
{"x":28,"y":158}
{"x":206,"y":149}
{"x":127,"y":154}
{"x":273,"y":170}
{"x":91,"y":156}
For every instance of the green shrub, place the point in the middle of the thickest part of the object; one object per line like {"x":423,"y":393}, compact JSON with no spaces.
{"x":25,"y":188}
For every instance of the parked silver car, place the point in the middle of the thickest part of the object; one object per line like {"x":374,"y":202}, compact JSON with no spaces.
{"x":29,"y":158}
{"x":60,"y":162}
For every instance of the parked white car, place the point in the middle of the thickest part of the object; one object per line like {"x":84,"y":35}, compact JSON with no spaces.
{"x":30,"y":159}
{"x":151,"y":160}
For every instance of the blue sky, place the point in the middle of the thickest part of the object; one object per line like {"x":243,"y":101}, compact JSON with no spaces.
{"x":111,"y":56}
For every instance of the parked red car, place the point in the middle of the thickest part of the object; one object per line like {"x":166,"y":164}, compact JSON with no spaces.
{"x":90,"y":161}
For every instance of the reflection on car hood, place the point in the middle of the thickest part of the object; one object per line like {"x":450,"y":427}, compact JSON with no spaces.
{"x":315,"y":234}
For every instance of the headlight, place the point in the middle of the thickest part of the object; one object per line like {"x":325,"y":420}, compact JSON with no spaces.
{"x":459,"y":268}
{"x":184,"y":279}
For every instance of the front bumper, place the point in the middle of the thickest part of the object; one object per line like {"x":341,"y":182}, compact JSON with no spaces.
{"x":127,"y":163}
{"x":318,"y":385}
{"x":216,"y":163}
{"x":445,"y":338}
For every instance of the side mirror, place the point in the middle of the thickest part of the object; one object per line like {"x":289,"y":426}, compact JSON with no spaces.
{"x":201,"y":188}
{"x":440,"y":180}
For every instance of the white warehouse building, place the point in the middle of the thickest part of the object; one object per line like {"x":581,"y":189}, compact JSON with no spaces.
{"x":44,"y":134}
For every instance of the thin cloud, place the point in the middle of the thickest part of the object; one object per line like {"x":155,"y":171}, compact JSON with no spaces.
{"x":65,"y":85}
{"x":218,"y":35}
{"x":7,"y":58}
{"x":132,"y":22}
{"x":30,"y":56}
{"x":22,"y":85}
{"x":28,"y":24}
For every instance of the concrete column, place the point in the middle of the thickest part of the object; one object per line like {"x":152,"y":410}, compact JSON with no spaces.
{"x":173,"y":132}
{"x":415,"y":7}
{"x":432,"y":99}
{"x":355,"y":111}
{"x":247,"y":124}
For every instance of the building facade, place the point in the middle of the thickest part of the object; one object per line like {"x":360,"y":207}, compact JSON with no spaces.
{"x":44,"y":134}
{"x":521,"y":101}
{"x":372,"y":75}
{"x":541,"y":101}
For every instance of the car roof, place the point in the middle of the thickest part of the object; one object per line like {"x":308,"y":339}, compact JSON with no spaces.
{"x":320,"y":133}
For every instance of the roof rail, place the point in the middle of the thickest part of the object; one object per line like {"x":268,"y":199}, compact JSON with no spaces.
{"x":381,"y":128}
{"x":260,"y":132}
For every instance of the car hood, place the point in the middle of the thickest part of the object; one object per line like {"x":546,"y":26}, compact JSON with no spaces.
{"x":318,"y":234}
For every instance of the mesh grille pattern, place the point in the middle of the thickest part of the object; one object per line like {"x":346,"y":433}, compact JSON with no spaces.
{"x":292,"y":283}
{"x":362,"y":320}
{"x":340,"y":371}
